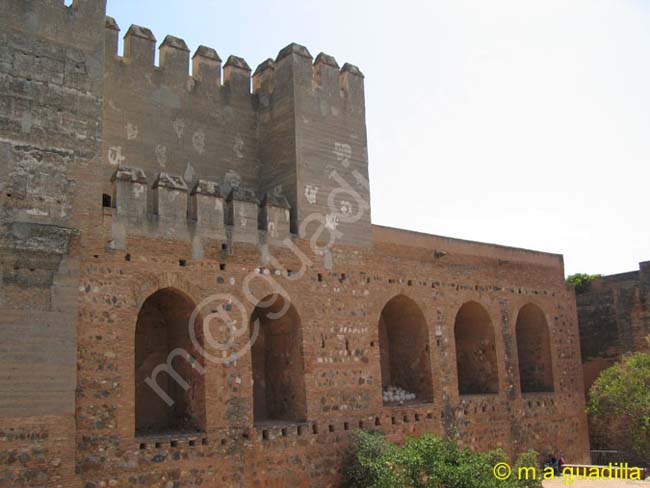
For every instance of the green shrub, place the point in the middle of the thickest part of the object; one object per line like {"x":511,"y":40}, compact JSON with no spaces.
{"x":363,"y":465}
{"x":426,"y":462}
{"x":582,"y":281}
{"x":619,"y":403}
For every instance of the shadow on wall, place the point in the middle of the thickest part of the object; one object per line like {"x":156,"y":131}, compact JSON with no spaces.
{"x":404,"y":352}
{"x":277,"y":360}
{"x":161,"y":328}
{"x":476,"y":358}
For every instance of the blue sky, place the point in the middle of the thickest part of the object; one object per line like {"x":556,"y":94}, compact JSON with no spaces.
{"x":518,"y":122}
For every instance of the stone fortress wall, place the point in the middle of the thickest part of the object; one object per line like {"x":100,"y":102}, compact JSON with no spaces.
{"x":614,"y":320}
{"x":138,"y":199}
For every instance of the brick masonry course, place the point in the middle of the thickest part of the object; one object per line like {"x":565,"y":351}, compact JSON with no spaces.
{"x":130,"y":193}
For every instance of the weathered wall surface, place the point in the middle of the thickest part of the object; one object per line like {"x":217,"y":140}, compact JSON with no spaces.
{"x":614,"y":319}
{"x":161,"y":119}
{"x":51,"y":77}
{"x":339,"y":311}
{"x":314,"y":142}
{"x":121,"y":179}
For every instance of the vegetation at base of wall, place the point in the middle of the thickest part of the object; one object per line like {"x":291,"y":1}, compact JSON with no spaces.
{"x":619,"y":404}
{"x":427,"y":461}
{"x":582,"y":281}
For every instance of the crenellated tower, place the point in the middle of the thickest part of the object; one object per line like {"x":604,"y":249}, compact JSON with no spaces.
{"x":297,"y":140}
{"x":98,"y":148}
{"x":139,"y":201}
{"x":313,"y":142}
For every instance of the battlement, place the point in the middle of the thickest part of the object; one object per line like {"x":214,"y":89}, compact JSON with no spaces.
{"x":327,"y":76}
{"x":180,"y":213}
{"x":206,"y":64}
{"x":203,"y":119}
{"x":278,"y":131}
{"x":145,"y":207}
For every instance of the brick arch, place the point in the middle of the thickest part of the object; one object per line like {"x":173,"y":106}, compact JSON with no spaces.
{"x":148,"y":284}
{"x":277,"y":361}
{"x":534,"y":350}
{"x":476,"y":359}
{"x":404,"y":351}
{"x":165,"y":354}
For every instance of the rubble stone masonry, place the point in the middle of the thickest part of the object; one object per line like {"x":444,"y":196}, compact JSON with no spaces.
{"x":149,"y":216}
{"x":614,"y":320}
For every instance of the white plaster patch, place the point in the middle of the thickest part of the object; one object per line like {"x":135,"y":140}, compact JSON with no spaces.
{"x":179,"y":127}
{"x":242,"y":217}
{"x":273,"y":230}
{"x":232,"y":179}
{"x":331,"y":221}
{"x":343,"y":153}
{"x":189,"y":172}
{"x":131,"y":131}
{"x":198,"y":141}
{"x":112,"y":105}
{"x":311,"y":193}
{"x":115,"y":156}
{"x":138,"y":190}
{"x":161,"y":155}
{"x":238,"y":147}
{"x":361,"y":180}
{"x":346,"y":208}
{"x":36,"y":212}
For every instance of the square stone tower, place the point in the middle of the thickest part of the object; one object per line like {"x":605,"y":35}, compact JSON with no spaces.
{"x":313,"y":143}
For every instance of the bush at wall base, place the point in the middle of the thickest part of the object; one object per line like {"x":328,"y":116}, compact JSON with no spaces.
{"x":427,"y":461}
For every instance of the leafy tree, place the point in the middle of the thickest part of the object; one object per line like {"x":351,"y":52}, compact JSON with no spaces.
{"x":582,"y":281}
{"x":619,"y":404}
{"x":426,"y":462}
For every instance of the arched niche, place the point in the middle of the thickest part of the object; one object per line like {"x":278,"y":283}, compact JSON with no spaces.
{"x":476,"y":358}
{"x":404,"y":353}
{"x":169,"y":379}
{"x":534,"y":350}
{"x":277,"y":362}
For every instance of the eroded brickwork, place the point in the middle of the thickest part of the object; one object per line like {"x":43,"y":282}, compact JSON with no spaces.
{"x":139,"y":201}
{"x":614,"y":316}
{"x":614,"y":319}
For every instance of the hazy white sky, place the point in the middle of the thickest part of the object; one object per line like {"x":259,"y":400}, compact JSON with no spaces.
{"x":518,"y":122}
